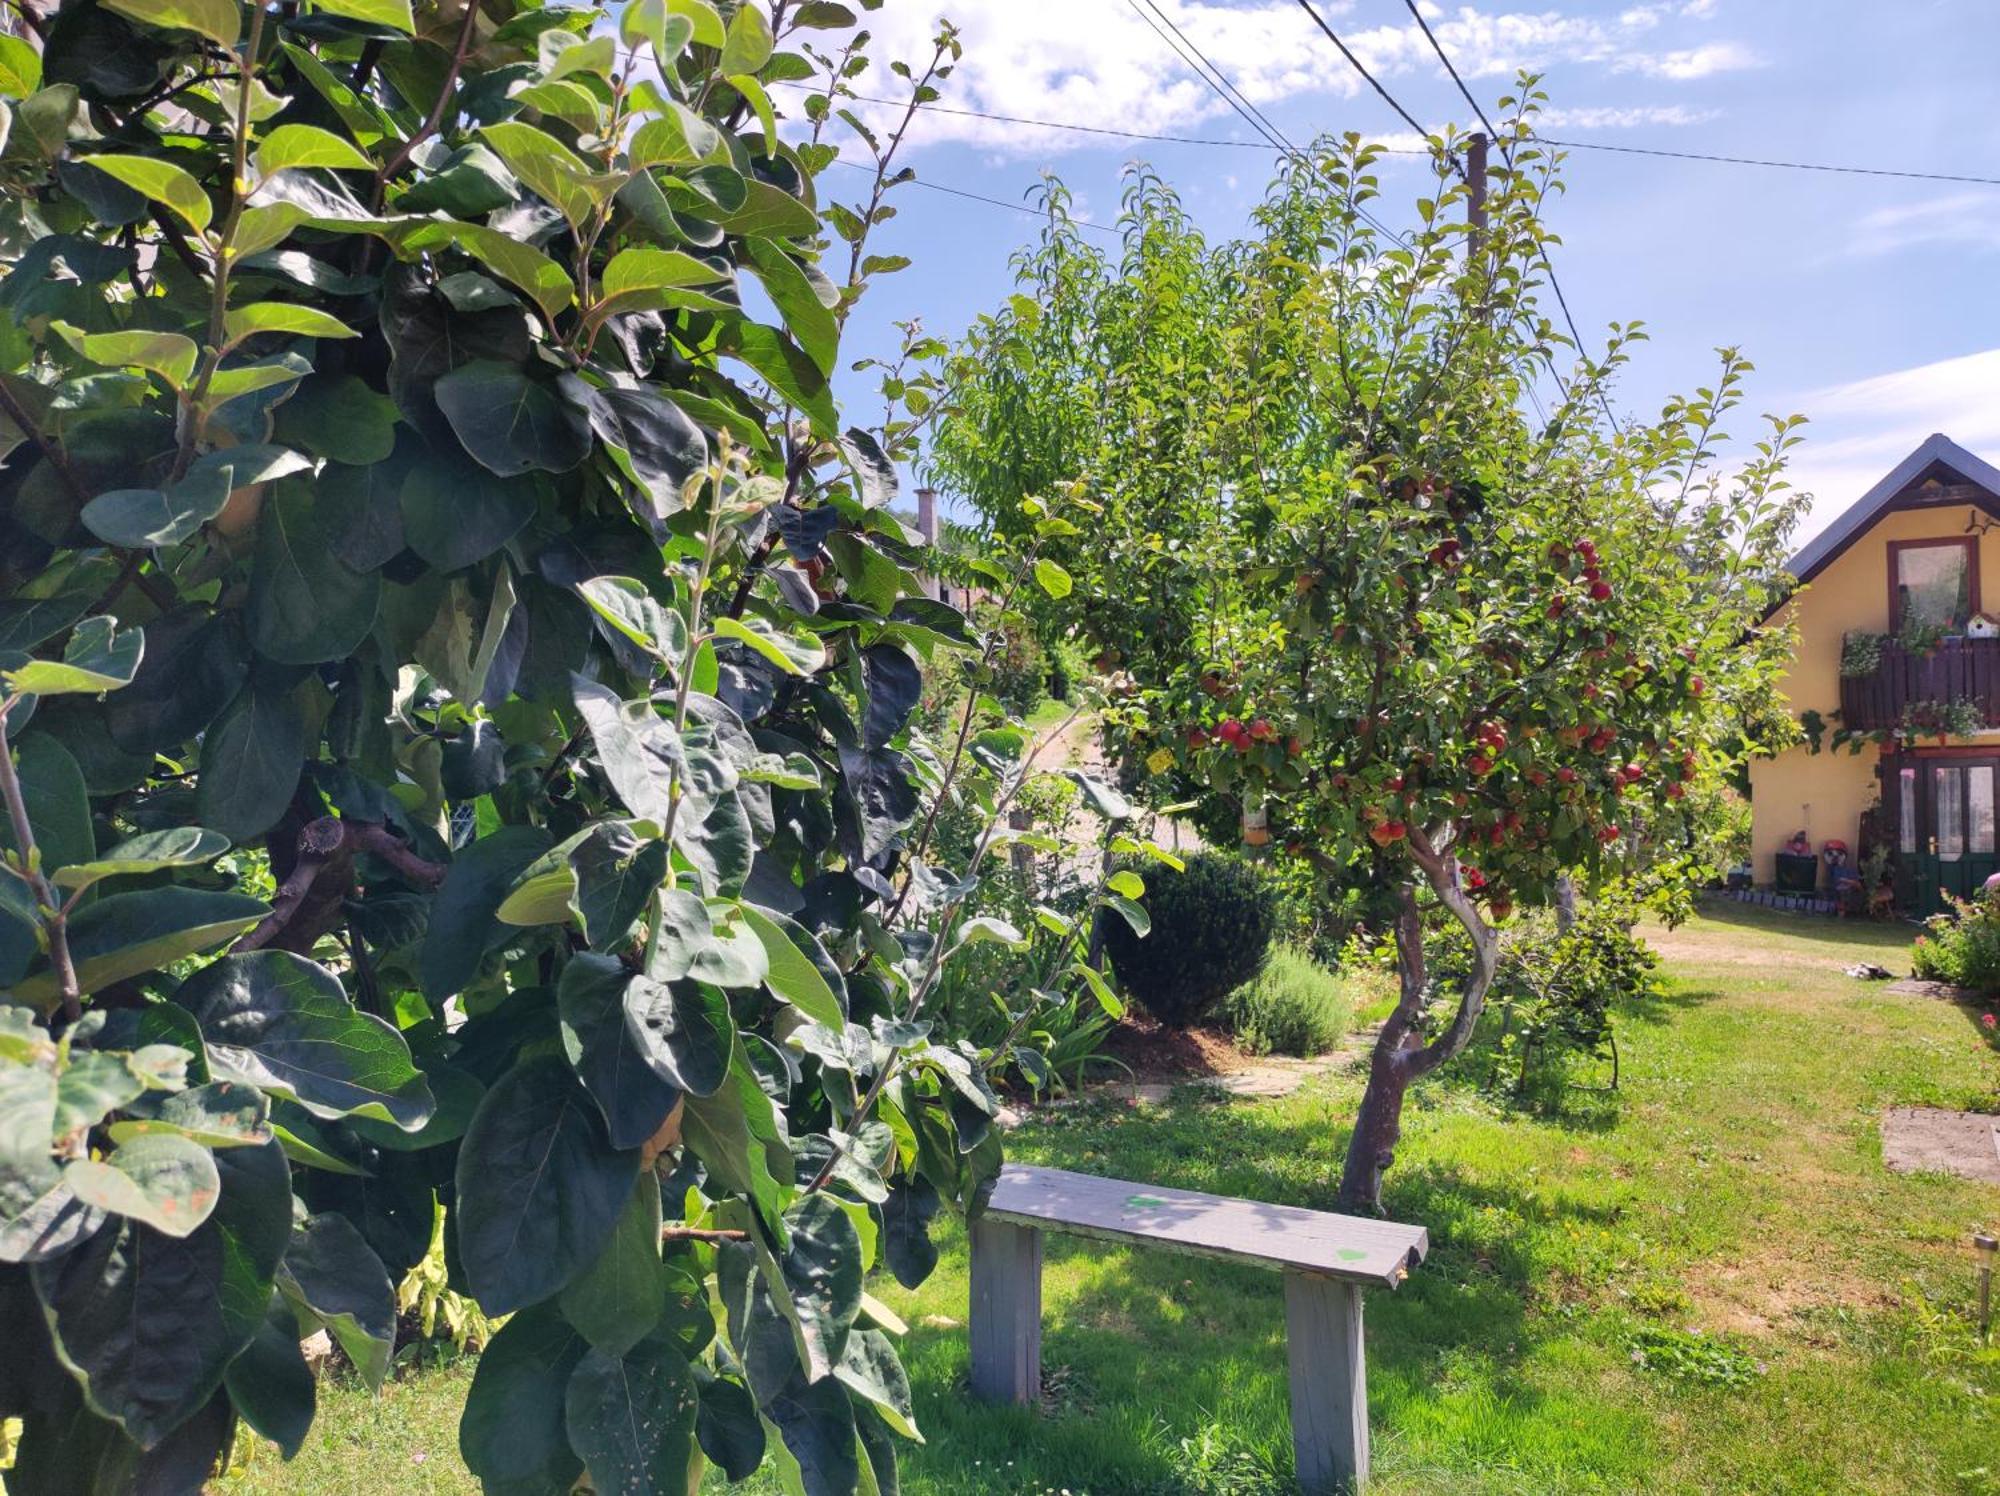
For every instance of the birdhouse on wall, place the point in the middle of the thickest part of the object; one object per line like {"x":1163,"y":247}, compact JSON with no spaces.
{"x":1982,"y":626}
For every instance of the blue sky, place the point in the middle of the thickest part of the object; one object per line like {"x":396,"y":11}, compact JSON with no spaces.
{"x":1867,"y":303}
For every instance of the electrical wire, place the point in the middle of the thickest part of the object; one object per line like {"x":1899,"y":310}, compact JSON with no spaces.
{"x":1257,"y":119}
{"x":1081,"y":129}
{"x":1444,"y":58}
{"x":1193,"y":57}
{"x":1355,"y":63}
{"x":1853,"y":171}
{"x":1264,"y":121}
{"x":996,"y":202}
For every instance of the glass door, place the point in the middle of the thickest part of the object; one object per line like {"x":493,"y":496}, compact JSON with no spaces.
{"x":1946,"y":829}
{"x":1916,"y":873}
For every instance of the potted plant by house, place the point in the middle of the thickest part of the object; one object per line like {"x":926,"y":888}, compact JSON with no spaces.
{"x":1797,"y":867}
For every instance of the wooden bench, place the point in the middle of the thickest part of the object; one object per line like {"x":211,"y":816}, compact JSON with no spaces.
{"x":1326,"y":1259}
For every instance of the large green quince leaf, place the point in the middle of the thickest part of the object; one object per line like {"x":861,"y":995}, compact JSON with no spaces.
{"x":222,"y":1114}
{"x":512,"y":1435}
{"x":539,"y":1187}
{"x":737,"y":1134}
{"x":39,"y":1217}
{"x":870,"y":1368}
{"x":464,"y":920}
{"x":728,"y":1428}
{"x":817,"y":1450}
{"x":99,"y":657}
{"x":251,"y":758}
{"x":611,"y":1052}
{"x":632,"y":1417}
{"x":619,"y":1298}
{"x":334,"y":1277}
{"x":306,"y":604}
{"x":275,"y":1020}
{"x":513,"y":423}
{"x":269,"y":1383}
{"x":821,"y":1269}
{"x":147,"y":1322}
{"x":150,"y":852}
{"x":130,"y":933}
{"x":170,"y":1183}
{"x":58,"y":802}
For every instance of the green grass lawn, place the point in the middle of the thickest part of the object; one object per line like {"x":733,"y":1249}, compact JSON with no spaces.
{"x":1736,"y":1191}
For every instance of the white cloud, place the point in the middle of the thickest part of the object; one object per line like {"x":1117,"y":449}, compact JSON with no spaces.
{"x":1602,"y":118}
{"x":1099,"y":62}
{"x":1875,"y":423}
{"x":1956,"y":218}
{"x":1695,"y":62}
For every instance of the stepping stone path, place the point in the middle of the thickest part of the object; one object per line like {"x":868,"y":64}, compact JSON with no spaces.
{"x":1925,"y":1138}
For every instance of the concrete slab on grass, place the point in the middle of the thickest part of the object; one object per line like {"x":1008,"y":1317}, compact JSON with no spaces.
{"x":1942,"y":991}
{"x":1918,"y":1138}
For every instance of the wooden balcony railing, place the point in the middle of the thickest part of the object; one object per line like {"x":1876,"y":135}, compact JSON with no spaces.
{"x":1956,"y":670}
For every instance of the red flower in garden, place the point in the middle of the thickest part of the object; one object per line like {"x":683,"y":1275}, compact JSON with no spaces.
{"x":1988,"y":1019}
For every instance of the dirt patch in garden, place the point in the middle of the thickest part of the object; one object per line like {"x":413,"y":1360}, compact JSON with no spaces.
{"x":1777,"y":1292}
{"x":1156,"y":1052}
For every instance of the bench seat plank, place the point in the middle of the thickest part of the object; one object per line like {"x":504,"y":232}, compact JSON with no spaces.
{"x":1352,"y":1248}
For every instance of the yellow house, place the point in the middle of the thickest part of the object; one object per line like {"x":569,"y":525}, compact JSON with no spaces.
{"x":1897,"y":658}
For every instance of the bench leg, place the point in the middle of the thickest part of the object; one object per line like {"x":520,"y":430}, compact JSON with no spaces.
{"x":1329,"y":1383}
{"x":1006,"y":1313}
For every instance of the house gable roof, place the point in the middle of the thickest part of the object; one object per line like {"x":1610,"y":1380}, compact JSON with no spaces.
{"x":1938,"y":458}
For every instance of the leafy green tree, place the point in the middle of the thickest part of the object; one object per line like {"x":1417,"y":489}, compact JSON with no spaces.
{"x":1354,"y":585}
{"x":456,"y":682}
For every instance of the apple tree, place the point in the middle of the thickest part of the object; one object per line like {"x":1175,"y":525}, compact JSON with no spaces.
{"x":1362,"y":593}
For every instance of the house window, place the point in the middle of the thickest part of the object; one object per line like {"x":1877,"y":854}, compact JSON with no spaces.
{"x":1906,"y":811}
{"x":1933,"y":583}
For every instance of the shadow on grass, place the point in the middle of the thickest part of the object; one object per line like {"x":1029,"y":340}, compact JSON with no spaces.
{"x":1663,"y":1004}
{"x":1983,"y":1013}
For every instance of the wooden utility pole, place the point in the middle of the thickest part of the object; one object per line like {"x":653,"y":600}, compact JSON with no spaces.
{"x":1475,"y":181}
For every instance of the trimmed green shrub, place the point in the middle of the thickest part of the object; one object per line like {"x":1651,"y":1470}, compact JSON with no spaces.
{"x":1293,"y":1006}
{"x":1211,"y":928}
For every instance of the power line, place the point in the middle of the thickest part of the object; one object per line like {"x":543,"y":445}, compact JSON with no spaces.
{"x":1355,"y":62}
{"x":1854,"y":171}
{"x":1264,"y":121}
{"x":1056,"y":124}
{"x":1570,"y":145}
{"x":1438,"y":48}
{"x":1189,"y":54}
{"x":996,"y":202}
{"x":1258,"y":121}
